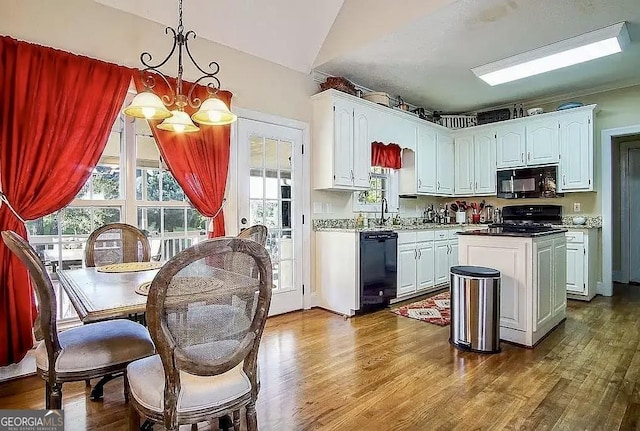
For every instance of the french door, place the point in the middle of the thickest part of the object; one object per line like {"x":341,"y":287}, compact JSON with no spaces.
{"x":269,"y":192}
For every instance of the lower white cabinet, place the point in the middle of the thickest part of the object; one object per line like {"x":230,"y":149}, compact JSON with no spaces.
{"x":424,"y":260}
{"x":581,"y":266}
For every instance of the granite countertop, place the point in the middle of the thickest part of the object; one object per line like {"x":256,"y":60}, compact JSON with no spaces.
{"x":501,"y":232}
{"x":398,"y":228}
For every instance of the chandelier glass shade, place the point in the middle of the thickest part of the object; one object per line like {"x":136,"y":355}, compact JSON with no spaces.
{"x":148,"y":105}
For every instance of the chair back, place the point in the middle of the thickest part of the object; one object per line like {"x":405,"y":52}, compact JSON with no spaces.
{"x":116,"y":243}
{"x":257,"y":233}
{"x":46,"y":324}
{"x":203,"y":317}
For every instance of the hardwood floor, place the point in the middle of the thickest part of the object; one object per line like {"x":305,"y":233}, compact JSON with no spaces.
{"x":385,"y":372}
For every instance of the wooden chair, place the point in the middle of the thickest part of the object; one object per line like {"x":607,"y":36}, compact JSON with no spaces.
{"x":207,"y":322}
{"x":116,"y":243}
{"x":257,"y":233}
{"x":81,"y":353}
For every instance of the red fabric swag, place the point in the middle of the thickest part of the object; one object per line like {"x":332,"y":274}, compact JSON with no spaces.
{"x":386,"y":156}
{"x":56,"y":113}
{"x":199,"y":161}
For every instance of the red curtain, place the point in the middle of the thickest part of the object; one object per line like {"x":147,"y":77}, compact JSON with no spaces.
{"x":199,"y":161}
{"x":56,"y":113}
{"x":386,"y":156}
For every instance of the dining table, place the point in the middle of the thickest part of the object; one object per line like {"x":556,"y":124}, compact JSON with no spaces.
{"x":100,"y":296}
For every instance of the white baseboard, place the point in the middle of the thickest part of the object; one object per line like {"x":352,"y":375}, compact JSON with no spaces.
{"x":600,"y":289}
{"x":311,"y":300}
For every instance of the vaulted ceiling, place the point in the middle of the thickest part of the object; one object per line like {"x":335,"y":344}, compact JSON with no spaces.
{"x":423,"y":50}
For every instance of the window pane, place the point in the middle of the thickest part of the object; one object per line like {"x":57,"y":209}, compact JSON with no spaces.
{"x":106,"y":182}
{"x":284,"y":155}
{"x":271,"y":153}
{"x":47,"y":225}
{"x":271,"y":185}
{"x":174,"y":220}
{"x":271,"y":219}
{"x":149,"y":220}
{"x":196,"y":222}
{"x":256,"y":184}
{"x":171,"y":190}
{"x":151,"y":185}
{"x":256,"y":209}
{"x":76,"y":221}
{"x":286,"y":244}
{"x":256,"y":153}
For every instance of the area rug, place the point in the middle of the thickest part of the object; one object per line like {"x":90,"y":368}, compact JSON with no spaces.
{"x":436,"y":310}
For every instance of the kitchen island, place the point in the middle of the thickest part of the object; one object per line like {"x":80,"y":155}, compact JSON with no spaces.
{"x":533,"y":298}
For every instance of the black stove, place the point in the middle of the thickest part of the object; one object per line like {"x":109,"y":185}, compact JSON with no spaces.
{"x":530,"y":218}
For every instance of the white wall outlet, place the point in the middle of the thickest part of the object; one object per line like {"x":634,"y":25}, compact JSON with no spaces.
{"x":577,"y":207}
{"x":328,"y":207}
{"x":317,"y":207}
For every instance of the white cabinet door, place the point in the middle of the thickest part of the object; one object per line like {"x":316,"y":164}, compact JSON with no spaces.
{"x":361,"y":148}
{"x":406,"y":269}
{"x":560,"y":279}
{"x":453,"y":252}
{"x":343,"y":143}
{"x":576,"y":149}
{"x":446,"y":160}
{"x":543,"y":142}
{"x":510,"y":146}
{"x":544,"y":275}
{"x":441,"y":250}
{"x":575,"y":268}
{"x":484,"y":149}
{"x":426,"y":153}
{"x":464,"y":175}
{"x":425,"y":272}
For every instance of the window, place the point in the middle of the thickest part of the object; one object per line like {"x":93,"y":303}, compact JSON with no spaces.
{"x":383,"y":184}
{"x":149,"y":197}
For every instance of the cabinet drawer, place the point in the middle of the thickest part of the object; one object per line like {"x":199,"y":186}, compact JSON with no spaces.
{"x":575,"y":237}
{"x":406,"y":237}
{"x":425,"y":235}
{"x":441,"y":234}
{"x":453,"y":233}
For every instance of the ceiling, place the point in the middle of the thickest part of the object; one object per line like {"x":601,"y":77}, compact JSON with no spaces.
{"x":286,"y":32}
{"x":429,"y":60}
{"x":423,"y":50}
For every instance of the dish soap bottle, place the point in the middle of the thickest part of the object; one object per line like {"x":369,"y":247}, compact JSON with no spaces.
{"x":360,"y":221}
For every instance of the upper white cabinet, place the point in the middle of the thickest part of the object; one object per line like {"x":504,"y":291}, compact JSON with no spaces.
{"x":543,"y":141}
{"x":426,"y":160}
{"x":576,"y":152}
{"x":446,"y":165}
{"x":341,"y":143}
{"x":511,"y":147}
{"x":475,"y":163}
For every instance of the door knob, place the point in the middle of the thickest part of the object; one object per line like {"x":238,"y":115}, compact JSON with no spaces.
{"x":243,"y":220}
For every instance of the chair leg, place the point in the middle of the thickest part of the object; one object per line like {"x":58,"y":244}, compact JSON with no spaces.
{"x":236,"y":420}
{"x":87,"y":382}
{"x":194,"y":427}
{"x":252,"y":418}
{"x":126,"y":386}
{"x":134,"y":418}
{"x":54,"y":396}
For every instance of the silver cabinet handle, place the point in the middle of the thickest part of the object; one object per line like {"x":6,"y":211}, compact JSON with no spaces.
{"x":564,"y":180}
{"x":476,"y":186}
{"x":529,"y":155}
{"x":470,"y":186}
{"x":419,"y":254}
{"x":415,"y":253}
{"x":522,"y":157}
{"x":352,"y":175}
{"x":419,"y":183}
{"x":438,"y":185}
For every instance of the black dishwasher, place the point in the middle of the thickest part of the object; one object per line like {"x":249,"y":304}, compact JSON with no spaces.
{"x":378,"y":269}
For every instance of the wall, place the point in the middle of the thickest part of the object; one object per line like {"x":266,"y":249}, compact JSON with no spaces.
{"x":92,"y":29}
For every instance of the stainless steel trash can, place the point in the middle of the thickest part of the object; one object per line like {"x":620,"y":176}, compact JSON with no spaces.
{"x":475,"y":308}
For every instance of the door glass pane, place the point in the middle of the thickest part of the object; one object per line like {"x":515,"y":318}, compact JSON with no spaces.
{"x":286,"y":245}
{"x":271,"y":154}
{"x":256,"y":184}
{"x":284,"y":155}
{"x":256,"y":154}
{"x":271,"y":184}
{"x":285,"y":275}
{"x":256,"y":209}
{"x":271,"y":218}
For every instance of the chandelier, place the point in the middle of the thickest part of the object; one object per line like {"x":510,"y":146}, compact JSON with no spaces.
{"x":212,"y":111}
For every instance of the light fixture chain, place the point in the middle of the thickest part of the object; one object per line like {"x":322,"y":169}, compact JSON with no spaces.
{"x":180,"y":26}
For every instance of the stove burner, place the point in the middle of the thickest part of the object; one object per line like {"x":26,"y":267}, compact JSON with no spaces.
{"x":524,"y":226}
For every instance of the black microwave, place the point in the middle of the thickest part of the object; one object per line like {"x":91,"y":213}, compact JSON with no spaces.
{"x":537,"y":182}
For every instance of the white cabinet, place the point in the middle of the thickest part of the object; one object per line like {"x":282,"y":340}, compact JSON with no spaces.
{"x":511,"y":146}
{"x":441,"y":250}
{"x":341,"y":142}
{"x":542,"y":142}
{"x":446,"y":165}
{"x":424,"y":263}
{"x":581,"y":275}
{"x":532,"y":286}
{"x":407,"y":269}
{"x":576,"y":152}
{"x":429,"y":170}
{"x":475,"y":164}
{"x":464,"y":165}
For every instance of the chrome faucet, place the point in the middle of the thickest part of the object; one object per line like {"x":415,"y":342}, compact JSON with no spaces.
{"x":382,"y":211}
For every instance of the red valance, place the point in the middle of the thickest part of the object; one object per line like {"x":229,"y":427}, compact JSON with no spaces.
{"x":386,"y":156}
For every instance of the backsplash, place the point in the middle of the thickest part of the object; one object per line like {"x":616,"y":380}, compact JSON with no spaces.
{"x":590,"y":221}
